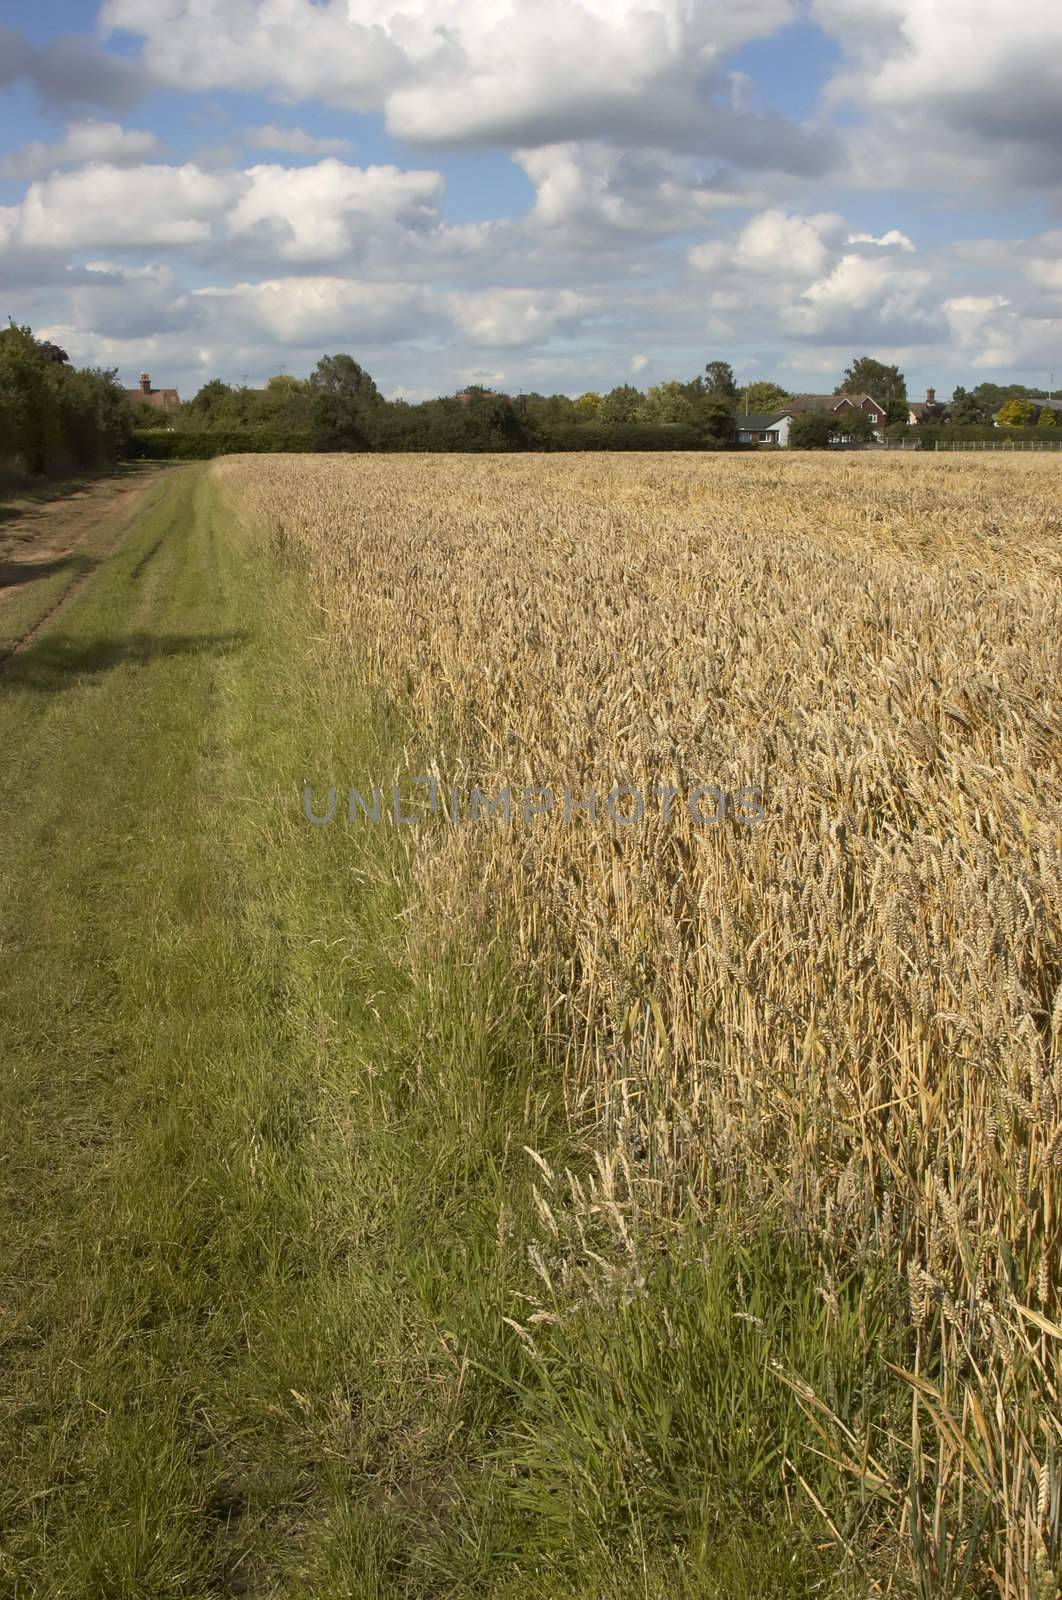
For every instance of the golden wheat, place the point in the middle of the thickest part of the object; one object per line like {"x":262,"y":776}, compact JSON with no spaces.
{"x":848,"y":1016}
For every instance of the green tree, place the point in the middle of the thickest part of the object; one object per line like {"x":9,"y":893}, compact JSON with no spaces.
{"x":813,"y":430}
{"x":27,"y":401}
{"x":1016,"y":414}
{"x":286,"y":403}
{"x":993,"y":395}
{"x":621,"y":405}
{"x":54,"y":417}
{"x":668,"y":402}
{"x":1047,"y":418}
{"x":762,"y":397}
{"x":887,"y":385}
{"x":719,"y":380}
{"x":854,"y":425}
{"x":344,"y":400}
{"x":967,"y":410}
{"x":715,"y":420}
{"x":53,"y":352}
{"x":342,"y":375}
{"x":588,"y":406}
{"x":208,"y":408}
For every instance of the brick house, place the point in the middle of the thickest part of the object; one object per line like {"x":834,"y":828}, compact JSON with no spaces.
{"x":161,"y":399}
{"x":801,"y":403}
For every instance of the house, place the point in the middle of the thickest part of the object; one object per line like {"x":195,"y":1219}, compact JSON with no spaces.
{"x":766,"y":427}
{"x":161,"y":399}
{"x":919,"y":410}
{"x":801,"y":403}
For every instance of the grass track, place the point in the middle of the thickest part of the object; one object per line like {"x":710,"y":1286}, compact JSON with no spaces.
{"x":254,"y":1163}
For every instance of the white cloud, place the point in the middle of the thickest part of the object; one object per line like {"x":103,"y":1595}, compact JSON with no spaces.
{"x":1043,"y":267}
{"x":773,"y":244}
{"x":873,"y":296}
{"x":494,"y":71}
{"x":106,"y":206}
{"x":973,"y":81}
{"x":512,"y":317}
{"x":639,"y":363}
{"x":894,"y":239}
{"x":295,"y":141}
{"x":322,"y":212}
{"x":596,"y":189}
{"x":320,"y":310}
{"x":317,"y":213}
{"x":83,"y":142}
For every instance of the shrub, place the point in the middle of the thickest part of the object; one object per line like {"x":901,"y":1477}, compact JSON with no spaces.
{"x":813,"y":430}
{"x":164,"y":444}
{"x":54,"y":417}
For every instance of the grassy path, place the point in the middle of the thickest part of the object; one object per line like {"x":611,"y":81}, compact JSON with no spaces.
{"x":224,"y":1272}
{"x":265,"y":1192}
{"x":53,"y":539}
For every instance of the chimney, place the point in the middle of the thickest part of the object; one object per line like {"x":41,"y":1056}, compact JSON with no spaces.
{"x":931,"y":397}
{"x":145,"y":383}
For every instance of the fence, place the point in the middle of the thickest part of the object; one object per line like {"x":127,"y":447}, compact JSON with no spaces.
{"x":1002,"y":444}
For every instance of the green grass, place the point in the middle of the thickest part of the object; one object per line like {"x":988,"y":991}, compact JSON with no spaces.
{"x":31,"y":591}
{"x":21,"y":492}
{"x":268,"y":1202}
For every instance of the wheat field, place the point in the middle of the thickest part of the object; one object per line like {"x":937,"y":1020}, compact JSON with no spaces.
{"x":844,"y":1019}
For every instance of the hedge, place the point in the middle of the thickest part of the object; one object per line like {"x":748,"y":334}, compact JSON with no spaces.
{"x":927,"y":433}
{"x":627,"y":436}
{"x":164,"y":444}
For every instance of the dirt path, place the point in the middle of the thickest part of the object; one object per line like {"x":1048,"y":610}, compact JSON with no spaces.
{"x":48,"y":552}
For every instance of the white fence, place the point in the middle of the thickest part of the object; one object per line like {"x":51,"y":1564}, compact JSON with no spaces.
{"x":1003,"y":444}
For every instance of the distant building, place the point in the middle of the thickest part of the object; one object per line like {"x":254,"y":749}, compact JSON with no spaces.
{"x":767,"y":427}
{"x":161,"y":399}
{"x":803,"y":403}
{"x":928,"y":410}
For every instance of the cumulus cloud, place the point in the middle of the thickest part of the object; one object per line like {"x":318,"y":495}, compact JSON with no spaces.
{"x":588,"y":189}
{"x":773,"y":244}
{"x":113,"y":301}
{"x":511,"y":317}
{"x":317,"y":212}
{"x":958,"y":71}
{"x":104,"y":206}
{"x":864,"y":297}
{"x":321,"y":212}
{"x":83,"y":142}
{"x":319,"y":310}
{"x":526,"y":72}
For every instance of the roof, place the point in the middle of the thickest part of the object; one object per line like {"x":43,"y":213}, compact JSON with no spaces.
{"x":829,"y":402}
{"x":759,"y":421}
{"x":155,"y":397}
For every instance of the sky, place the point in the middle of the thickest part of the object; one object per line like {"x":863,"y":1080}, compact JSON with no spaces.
{"x":549,"y":195}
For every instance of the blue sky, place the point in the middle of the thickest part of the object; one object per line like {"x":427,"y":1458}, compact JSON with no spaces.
{"x":536,"y":194}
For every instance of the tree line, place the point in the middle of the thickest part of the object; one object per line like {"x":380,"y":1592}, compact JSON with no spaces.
{"x":55,"y":418}
{"x":340,"y":407}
